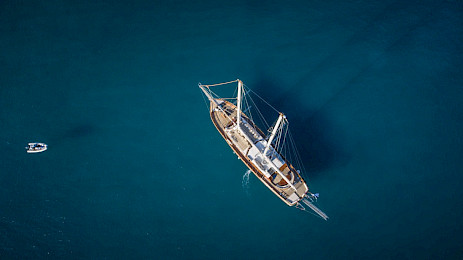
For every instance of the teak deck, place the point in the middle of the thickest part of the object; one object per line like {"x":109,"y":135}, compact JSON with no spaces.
{"x":224,"y":119}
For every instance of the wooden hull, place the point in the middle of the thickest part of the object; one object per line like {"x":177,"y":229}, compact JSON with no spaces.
{"x":284,"y":193}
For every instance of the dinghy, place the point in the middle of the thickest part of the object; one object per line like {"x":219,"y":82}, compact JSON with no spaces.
{"x":36,"y":147}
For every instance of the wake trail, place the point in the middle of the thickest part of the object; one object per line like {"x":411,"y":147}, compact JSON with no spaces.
{"x":245,"y":181}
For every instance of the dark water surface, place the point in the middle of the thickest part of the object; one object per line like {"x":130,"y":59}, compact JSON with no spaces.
{"x":135,"y":168}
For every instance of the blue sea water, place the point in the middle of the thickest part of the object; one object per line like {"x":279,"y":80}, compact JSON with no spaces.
{"x":136,"y":170}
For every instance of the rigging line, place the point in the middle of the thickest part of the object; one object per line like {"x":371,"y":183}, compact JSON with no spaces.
{"x":291,"y":149}
{"x":205,"y":102}
{"x":243,"y":100}
{"x":243,"y":103}
{"x":284,"y":139}
{"x":217,"y":96}
{"x":297,"y":163}
{"x":262,"y":118}
{"x":280,"y":144}
{"x":218,"y":84}
{"x":286,"y":133}
{"x":246,"y":110}
{"x":294,"y":147}
{"x":259,"y":114}
{"x":285,"y":130}
{"x":265,"y":101}
{"x":298,"y":156}
{"x":234,"y":92}
{"x":294,"y":154}
{"x":247,"y":106}
{"x":290,"y":155}
{"x":285,"y":146}
{"x":294,"y":150}
{"x":246,"y":98}
{"x":213,"y":93}
{"x":245,"y":91}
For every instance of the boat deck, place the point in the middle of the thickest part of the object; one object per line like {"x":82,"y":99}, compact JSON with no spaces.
{"x":243,"y":139}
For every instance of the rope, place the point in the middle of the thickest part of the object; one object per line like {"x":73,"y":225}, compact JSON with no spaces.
{"x":218,"y":84}
{"x":205,"y":102}
{"x":298,"y":157}
{"x":262,"y":118}
{"x":299,"y":206}
{"x":247,"y":105}
{"x":265,"y":101}
{"x":284,"y":142}
{"x":278,"y":144}
{"x":259,"y":114}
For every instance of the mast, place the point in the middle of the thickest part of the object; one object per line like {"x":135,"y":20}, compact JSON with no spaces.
{"x":238,"y":112}
{"x":269,"y":143}
{"x":275,"y":129}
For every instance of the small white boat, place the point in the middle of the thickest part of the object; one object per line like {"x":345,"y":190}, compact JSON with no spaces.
{"x":36,"y":147}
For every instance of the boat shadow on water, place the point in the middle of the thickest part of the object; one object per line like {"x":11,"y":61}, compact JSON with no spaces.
{"x":318,"y":142}
{"x":74,"y":133}
{"x":80,"y":130}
